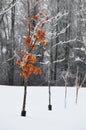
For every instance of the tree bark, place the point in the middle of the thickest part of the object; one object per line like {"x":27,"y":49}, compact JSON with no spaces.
{"x":56,"y":49}
{"x":12,"y":48}
{"x":23,"y":113}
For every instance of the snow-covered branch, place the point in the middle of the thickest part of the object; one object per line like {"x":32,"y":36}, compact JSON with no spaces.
{"x":56,"y":34}
{"x":83,"y":81}
{"x":57,"y":17}
{"x":59,"y":60}
{"x":38,"y":55}
{"x":10,"y":6}
{"x":45,"y":63}
{"x":14,"y":56}
{"x":80,"y":49}
{"x":79,"y":59}
{"x":9,"y":59}
{"x":63,"y":42}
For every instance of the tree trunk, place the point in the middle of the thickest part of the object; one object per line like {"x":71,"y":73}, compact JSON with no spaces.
{"x":79,"y":22}
{"x":12,"y":48}
{"x":56,"y":49}
{"x":23,"y":113}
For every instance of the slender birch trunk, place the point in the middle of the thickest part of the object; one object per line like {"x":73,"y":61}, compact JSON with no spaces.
{"x":23,"y":113}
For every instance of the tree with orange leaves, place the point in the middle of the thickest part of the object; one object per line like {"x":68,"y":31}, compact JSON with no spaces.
{"x":26,"y":59}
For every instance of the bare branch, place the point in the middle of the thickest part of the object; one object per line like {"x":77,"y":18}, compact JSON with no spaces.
{"x":55,"y":35}
{"x":63,"y":42}
{"x":10,"y":6}
{"x":58,"y":16}
{"x":83,"y":81}
{"x":8,"y":60}
{"x":59,"y":60}
{"x":45,"y":63}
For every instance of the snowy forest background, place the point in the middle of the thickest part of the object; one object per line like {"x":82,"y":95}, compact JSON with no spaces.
{"x":67,"y":41}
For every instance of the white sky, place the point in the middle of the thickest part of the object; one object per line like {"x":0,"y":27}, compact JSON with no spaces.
{"x":38,"y":117}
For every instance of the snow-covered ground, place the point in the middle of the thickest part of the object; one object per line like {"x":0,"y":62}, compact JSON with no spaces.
{"x":38,"y":117}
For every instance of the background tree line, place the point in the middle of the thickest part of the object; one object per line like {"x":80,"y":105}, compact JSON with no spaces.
{"x":66,"y":34}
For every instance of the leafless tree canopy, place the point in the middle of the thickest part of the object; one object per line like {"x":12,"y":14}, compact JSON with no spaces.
{"x":66,"y":33}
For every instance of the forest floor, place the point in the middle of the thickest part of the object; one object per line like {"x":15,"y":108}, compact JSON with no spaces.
{"x":73,"y":117}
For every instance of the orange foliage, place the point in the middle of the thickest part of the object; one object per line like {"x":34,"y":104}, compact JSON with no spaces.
{"x":37,"y":71}
{"x":40,"y":14}
{"x":42,"y":25}
{"x":26,"y":74}
{"x":40,"y":35}
{"x":47,"y":17}
{"x":35,"y":17}
{"x":31,"y":28}
{"x":28,"y":40}
{"x":21,"y":52}
{"x":32,"y":47}
{"x":28,"y":21}
{"x":31,"y":58}
{"x":26,"y":65}
{"x":18,"y":62}
{"x":46,"y":44}
{"x":28,"y":60}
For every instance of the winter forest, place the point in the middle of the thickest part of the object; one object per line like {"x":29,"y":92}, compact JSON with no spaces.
{"x":63,"y":60}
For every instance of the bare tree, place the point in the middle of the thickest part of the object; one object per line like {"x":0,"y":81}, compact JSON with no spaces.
{"x":12,"y":45}
{"x":78,"y":84}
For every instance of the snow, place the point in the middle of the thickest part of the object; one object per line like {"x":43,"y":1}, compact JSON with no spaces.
{"x":59,"y":60}
{"x":38,"y":117}
{"x":63,"y":42}
{"x":4,"y":50}
{"x":46,"y":54}
{"x":53,"y":35}
{"x":78,"y":59}
{"x":82,"y":49}
{"x":45,"y":63}
{"x":64,"y":29}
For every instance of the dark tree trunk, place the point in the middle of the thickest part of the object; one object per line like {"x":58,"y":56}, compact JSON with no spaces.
{"x":56,"y":50}
{"x":23,"y":113}
{"x":11,"y":51}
